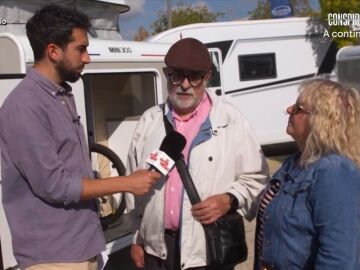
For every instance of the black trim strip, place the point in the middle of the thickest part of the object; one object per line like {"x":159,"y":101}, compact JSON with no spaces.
{"x":279,"y":149}
{"x":329,"y":60}
{"x":271,"y":84}
{"x":11,"y":76}
{"x":223,"y":46}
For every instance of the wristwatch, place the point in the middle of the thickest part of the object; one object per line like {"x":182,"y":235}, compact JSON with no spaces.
{"x":234,"y":203}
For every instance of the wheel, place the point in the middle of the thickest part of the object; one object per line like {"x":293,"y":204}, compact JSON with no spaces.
{"x":106,"y":164}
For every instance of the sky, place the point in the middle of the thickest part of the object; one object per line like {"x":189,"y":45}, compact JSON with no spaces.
{"x":144,"y":12}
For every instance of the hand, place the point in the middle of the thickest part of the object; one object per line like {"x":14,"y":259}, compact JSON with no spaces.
{"x":137,"y":255}
{"x":141,"y":181}
{"x":212,"y":208}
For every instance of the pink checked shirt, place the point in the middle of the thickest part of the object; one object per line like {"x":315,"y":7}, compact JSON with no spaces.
{"x":188,"y":127}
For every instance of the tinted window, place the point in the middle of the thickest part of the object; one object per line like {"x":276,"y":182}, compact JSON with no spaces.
{"x":215,"y":71}
{"x":257,"y":66}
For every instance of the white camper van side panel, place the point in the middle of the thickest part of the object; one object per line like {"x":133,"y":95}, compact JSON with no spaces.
{"x":266,"y":100}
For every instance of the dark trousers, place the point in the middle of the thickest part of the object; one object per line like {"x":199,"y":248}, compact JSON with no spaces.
{"x":172,"y":261}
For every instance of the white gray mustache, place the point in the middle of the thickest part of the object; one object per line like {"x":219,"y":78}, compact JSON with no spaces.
{"x":188,"y":91}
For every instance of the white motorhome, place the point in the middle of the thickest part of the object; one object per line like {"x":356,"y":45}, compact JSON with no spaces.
{"x":260,"y":65}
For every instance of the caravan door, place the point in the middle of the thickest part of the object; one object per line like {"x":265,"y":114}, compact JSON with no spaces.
{"x":215,"y":84}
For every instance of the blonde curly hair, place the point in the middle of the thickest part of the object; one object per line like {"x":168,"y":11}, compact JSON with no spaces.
{"x":334,"y":121}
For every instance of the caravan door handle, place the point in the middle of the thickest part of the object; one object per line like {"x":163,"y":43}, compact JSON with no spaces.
{"x":218,"y":92}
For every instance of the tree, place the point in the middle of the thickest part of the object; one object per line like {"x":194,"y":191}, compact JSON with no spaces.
{"x":184,"y":14}
{"x":340,"y":7}
{"x":341,"y":34}
{"x":301,"y":8}
{"x":141,"y":34}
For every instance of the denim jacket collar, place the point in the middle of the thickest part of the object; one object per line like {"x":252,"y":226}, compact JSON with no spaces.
{"x":290,"y":170}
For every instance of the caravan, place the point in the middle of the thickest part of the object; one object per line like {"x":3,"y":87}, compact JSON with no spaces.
{"x":258,"y":66}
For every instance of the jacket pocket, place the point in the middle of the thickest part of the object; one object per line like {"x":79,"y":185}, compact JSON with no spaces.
{"x":296,"y":188}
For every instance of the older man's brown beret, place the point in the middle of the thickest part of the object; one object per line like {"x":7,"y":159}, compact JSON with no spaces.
{"x":188,"y":54}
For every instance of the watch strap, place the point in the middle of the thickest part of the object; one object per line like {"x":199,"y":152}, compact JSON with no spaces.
{"x":234,"y":203}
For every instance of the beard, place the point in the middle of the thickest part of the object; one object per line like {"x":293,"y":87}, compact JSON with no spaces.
{"x":66,"y":72}
{"x":187,"y":105}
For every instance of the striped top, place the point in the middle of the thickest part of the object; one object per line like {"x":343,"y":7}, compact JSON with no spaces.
{"x":265,"y":200}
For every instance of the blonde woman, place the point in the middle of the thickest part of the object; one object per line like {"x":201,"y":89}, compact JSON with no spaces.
{"x":309,"y":216}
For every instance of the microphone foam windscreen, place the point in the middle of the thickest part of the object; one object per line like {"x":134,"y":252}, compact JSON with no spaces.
{"x":173,"y":144}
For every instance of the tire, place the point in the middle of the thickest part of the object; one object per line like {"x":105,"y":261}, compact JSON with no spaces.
{"x":107,"y":160}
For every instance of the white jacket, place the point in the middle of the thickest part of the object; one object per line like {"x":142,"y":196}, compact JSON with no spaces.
{"x":229,"y":159}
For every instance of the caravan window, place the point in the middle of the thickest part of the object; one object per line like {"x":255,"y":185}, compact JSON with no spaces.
{"x":257,"y":66}
{"x":215,"y":70}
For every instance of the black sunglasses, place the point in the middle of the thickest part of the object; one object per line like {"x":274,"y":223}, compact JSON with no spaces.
{"x":177,"y":77}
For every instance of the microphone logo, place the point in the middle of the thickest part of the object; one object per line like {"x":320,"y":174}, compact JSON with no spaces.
{"x":161,"y":161}
{"x":164,"y":163}
{"x":153,"y":156}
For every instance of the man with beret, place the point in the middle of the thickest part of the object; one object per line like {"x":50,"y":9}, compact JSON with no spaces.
{"x":223,"y":156}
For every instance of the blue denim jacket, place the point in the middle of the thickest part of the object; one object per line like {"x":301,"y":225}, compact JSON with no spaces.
{"x":313,"y":222}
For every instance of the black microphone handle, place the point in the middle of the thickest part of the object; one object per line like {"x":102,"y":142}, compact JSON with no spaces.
{"x":187,"y":181}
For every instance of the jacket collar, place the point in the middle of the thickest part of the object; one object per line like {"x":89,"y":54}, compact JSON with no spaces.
{"x":289,"y":170}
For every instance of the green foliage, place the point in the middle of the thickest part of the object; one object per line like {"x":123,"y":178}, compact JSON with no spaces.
{"x":141,"y":34}
{"x":262,"y":11}
{"x":301,"y":8}
{"x":184,"y":14}
{"x":339,"y":6}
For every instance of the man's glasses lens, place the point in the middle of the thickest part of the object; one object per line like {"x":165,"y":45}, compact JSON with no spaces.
{"x":194,"y":79}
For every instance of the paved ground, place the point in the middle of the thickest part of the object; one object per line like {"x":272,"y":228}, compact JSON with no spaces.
{"x":250,"y":226}
{"x":250,"y":233}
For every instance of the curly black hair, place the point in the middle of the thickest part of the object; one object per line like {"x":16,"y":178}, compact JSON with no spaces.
{"x":54,"y":24}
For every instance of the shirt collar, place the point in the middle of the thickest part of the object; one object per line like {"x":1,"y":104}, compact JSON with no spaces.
{"x":50,"y":87}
